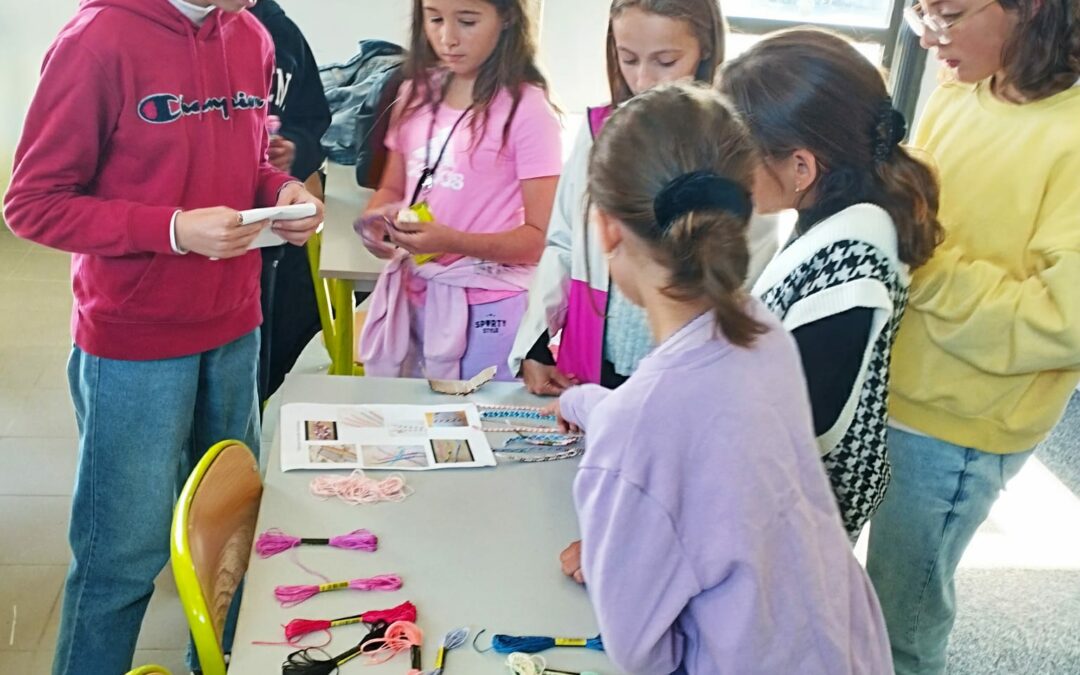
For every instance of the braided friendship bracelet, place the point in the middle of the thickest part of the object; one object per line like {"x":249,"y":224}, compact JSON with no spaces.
{"x":512,"y":412}
{"x":530,"y":457}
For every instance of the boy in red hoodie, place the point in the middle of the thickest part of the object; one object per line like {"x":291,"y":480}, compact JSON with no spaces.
{"x":145,"y":137}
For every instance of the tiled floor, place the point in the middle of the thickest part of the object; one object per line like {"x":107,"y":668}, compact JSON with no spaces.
{"x":1033,"y":527}
{"x":37,"y":467}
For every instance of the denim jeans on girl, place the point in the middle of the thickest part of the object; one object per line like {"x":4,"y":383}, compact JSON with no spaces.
{"x":142,"y":425}
{"x":939,"y":495}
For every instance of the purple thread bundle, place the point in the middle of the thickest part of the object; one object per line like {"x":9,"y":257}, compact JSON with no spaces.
{"x":290,"y":596}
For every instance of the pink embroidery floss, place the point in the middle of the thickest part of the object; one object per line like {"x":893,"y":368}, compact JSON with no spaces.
{"x":275,"y":541}
{"x":290,"y":596}
{"x":400,"y":636}
{"x":298,"y":628}
{"x":356,"y":488}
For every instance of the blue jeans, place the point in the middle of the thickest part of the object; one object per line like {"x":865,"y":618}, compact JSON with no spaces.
{"x":939,"y":496}
{"x":142,"y":425}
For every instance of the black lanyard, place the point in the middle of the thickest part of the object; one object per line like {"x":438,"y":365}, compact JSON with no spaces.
{"x":427,"y":176}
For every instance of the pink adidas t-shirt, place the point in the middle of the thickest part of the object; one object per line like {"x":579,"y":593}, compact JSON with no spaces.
{"x":477,"y":187}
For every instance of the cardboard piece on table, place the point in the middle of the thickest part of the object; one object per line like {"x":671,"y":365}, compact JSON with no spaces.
{"x":463,"y":387}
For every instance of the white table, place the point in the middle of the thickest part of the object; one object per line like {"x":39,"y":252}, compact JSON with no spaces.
{"x":475,"y":547}
{"x":343,"y":255}
{"x":344,"y":262}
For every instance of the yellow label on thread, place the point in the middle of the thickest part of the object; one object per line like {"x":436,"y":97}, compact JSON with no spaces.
{"x":439,"y":657}
{"x":345,"y":622}
{"x":424,"y":214}
{"x":349,"y":658}
{"x":336,"y":586}
{"x":570,"y":642}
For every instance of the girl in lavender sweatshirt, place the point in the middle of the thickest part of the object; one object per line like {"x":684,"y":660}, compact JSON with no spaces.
{"x":711,"y":541}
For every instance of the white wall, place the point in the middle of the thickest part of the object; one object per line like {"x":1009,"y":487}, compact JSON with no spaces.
{"x":333,"y":27}
{"x":571,"y":47}
{"x":571,"y":39}
{"x":26,"y":30}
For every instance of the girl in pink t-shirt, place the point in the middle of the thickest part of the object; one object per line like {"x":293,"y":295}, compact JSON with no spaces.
{"x":475,"y":139}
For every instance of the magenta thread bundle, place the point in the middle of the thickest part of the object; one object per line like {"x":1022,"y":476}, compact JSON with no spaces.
{"x":275,"y":541}
{"x":382,"y":643}
{"x":290,"y":596}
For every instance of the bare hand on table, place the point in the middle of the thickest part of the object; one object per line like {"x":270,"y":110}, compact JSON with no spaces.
{"x":571,"y":562}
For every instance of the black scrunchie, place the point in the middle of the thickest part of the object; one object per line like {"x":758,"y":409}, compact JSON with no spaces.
{"x":699,"y":190}
{"x":890,"y":127}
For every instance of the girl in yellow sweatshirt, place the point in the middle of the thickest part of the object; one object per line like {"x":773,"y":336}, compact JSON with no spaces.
{"x":988,"y":352}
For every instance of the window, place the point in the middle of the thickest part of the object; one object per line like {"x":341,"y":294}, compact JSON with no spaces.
{"x":875,"y":26}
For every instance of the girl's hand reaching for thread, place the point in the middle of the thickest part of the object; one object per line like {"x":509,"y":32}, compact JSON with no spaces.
{"x":564,"y":426}
{"x":544,"y":380}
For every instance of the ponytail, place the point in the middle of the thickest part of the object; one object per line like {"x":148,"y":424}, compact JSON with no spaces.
{"x":808,"y":88}
{"x":909,"y":192}
{"x":687,"y":200}
{"x":709,"y":255}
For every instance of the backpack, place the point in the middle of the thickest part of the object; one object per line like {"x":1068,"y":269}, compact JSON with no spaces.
{"x":373,"y":124}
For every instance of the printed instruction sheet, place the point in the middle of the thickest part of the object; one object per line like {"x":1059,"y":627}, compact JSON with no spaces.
{"x":374,"y":437}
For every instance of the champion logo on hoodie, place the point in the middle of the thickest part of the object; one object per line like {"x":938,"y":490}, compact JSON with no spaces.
{"x":166,"y":108}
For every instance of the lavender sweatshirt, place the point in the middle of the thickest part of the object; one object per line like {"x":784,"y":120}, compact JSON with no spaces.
{"x":711,"y":542}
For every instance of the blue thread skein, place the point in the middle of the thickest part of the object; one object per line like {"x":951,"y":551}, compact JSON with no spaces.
{"x":531,"y":644}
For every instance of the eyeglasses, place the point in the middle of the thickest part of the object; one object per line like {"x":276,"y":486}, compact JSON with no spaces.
{"x":922,"y":21}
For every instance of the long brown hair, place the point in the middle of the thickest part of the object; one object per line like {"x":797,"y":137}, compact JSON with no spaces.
{"x":705,"y":249}
{"x":511,"y":65}
{"x":807,"y":88}
{"x":705,"y":19}
{"x":1042,"y":56}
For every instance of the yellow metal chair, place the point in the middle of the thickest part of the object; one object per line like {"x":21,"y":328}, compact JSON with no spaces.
{"x":212,"y":531}
{"x":150,"y":670}
{"x":331,"y":294}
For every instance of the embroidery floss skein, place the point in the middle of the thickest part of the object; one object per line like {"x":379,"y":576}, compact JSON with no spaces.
{"x":303,"y":663}
{"x":356,"y":488}
{"x":530,"y":644}
{"x":275,"y":541}
{"x":290,"y":596}
{"x":526,"y":664}
{"x":451,"y":641}
{"x":400,"y":636}
{"x":298,"y":628}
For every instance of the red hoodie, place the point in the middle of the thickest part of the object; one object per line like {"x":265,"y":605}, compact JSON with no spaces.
{"x":139,"y":113}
